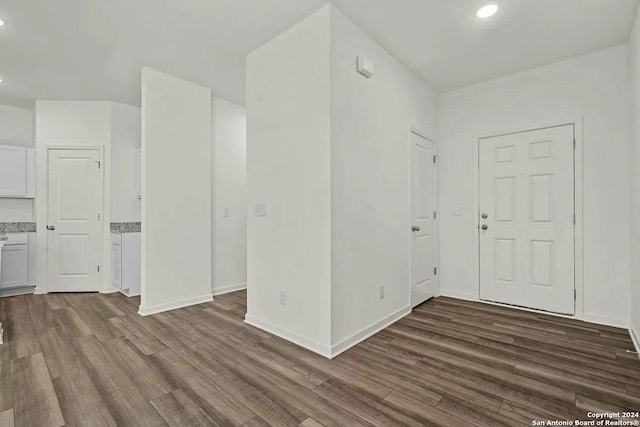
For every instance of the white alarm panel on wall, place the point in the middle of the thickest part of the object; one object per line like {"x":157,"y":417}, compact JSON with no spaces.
{"x":17,"y":171}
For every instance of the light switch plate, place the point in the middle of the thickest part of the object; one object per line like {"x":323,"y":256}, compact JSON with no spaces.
{"x":260,"y":209}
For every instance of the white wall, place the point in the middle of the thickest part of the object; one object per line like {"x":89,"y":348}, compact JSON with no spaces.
{"x":595,"y":86}
{"x":70,"y":123}
{"x":635,"y":181}
{"x":176,"y":193}
{"x":125,"y":138}
{"x":229,"y":194}
{"x":288,"y":148}
{"x":16,"y":210}
{"x":370,"y":194}
{"x":16,"y":126}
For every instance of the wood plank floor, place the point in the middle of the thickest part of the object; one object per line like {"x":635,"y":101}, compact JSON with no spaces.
{"x":90,"y":360}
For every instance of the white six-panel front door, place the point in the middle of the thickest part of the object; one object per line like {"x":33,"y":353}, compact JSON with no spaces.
{"x":74,"y":223}
{"x":526,"y":201}
{"x":423,"y":283}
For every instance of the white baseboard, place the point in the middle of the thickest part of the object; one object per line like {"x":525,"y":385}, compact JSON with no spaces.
{"x":312,"y":345}
{"x":604,"y":320}
{"x":593,"y":318}
{"x":368,"y":331}
{"x":40,"y":291}
{"x":12,"y":292}
{"x":457,"y":294}
{"x":636,"y":339}
{"x":147,"y":311}
{"x":321,"y":349}
{"x":231,"y":288}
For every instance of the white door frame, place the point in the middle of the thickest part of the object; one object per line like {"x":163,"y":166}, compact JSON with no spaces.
{"x":436,"y":230}
{"x":42,"y":235}
{"x":578,"y":126}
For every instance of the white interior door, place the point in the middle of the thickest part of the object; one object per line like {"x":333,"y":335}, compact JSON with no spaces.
{"x":423,"y":265}
{"x":74,"y":220}
{"x":526,"y":200}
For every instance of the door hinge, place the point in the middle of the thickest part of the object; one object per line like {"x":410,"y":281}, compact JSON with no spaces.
{"x":98,"y":162}
{"x":98,"y":269}
{"x":575,"y":294}
{"x":434,"y":158}
{"x":435,"y":215}
{"x":98,"y":217}
{"x":574,"y":143}
{"x":574,"y":219}
{"x":435,"y":271}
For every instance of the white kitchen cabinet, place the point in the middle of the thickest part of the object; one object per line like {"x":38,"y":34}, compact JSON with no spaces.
{"x":1,"y":246}
{"x":17,"y":261}
{"x":126,"y":263}
{"x":17,"y":171}
{"x":116,"y":266}
{"x":139,"y":173}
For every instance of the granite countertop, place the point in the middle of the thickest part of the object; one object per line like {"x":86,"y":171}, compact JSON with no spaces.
{"x":17,"y":227}
{"x":30,"y":227}
{"x":126,"y":227}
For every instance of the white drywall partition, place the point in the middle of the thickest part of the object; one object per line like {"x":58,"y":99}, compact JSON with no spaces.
{"x":594,"y":87}
{"x":229,"y":196}
{"x":288,"y":165}
{"x":176,"y":193}
{"x":328,"y":182}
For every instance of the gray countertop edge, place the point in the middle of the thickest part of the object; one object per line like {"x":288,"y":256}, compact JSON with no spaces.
{"x":126,"y":227}
{"x":17,"y":227}
{"x":30,"y":227}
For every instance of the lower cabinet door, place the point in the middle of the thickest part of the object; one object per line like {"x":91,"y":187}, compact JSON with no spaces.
{"x":15,"y":266}
{"x":116,"y":266}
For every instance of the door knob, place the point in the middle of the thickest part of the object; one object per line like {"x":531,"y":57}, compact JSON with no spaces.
{"x":51,"y":227}
{"x":415,"y":228}
{"x":485,"y":216}
{"x":485,"y":226}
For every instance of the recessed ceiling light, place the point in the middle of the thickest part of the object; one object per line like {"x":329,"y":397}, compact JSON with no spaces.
{"x":487,"y":11}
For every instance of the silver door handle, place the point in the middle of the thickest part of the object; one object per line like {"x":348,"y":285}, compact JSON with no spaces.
{"x":415,"y":228}
{"x":485,"y":226}
{"x":51,"y":227}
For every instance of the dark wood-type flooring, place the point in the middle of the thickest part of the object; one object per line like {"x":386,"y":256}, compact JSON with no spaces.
{"x":89,"y":359}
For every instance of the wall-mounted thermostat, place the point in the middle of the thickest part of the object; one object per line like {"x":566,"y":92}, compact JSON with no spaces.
{"x":365,"y":66}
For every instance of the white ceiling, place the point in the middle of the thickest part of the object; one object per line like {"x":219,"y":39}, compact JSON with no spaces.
{"x":94,"y":49}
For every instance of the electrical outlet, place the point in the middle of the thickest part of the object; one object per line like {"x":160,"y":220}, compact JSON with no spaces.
{"x":260,"y":209}
{"x":283,"y":297}
{"x":225,"y":212}
{"x":381,"y":291}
